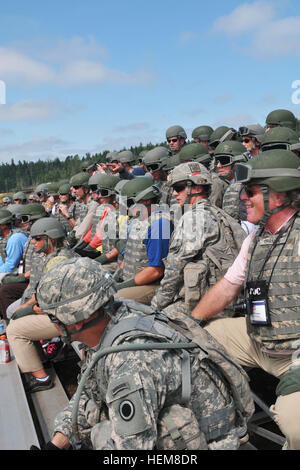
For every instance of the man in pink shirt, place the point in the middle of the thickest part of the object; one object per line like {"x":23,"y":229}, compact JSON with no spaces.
{"x":267,"y":270}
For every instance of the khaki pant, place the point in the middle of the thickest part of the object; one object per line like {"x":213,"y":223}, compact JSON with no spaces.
{"x":232,"y":334}
{"x":22,"y":333}
{"x":143,"y":294}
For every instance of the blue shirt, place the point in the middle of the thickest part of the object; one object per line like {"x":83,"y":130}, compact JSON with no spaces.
{"x":14,"y":252}
{"x":157,"y":241}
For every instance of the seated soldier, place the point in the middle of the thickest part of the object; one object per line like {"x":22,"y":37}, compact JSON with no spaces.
{"x":204,"y":242}
{"x":147,"y":242}
{"x":156,"y":391}
{"x":27,"y":323}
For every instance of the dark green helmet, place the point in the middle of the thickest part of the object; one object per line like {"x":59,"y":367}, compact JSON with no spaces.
{"x":103,"y":181}
{"x":280,"y":138}
{"x":172,"y":162}
{"x":80,"y":179}
{"x":75,"y":289}
{"x":64,"y":188}
{"x":53,"y":189}
{"x":233,"y":150}
{"x":20,"y":196}
{"x":220,"y":134}
{"x":48,"y":226}
{"x":252,"y":130}
{"x":156,"y":156}
{"x":202,"y":133}
{"x":174,"y":131}
{"x":126,"y":156}
{"x":278,"y":169}
{"x":5,"y":216}
{"x":192,"y":151}
{"x":281,"y":117}
{"x":32,"y":211}
{"x":112,"y":156}
{"x":139,"y":189}
{"x":42,"y":189}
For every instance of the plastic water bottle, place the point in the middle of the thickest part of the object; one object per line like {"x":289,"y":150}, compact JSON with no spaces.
{"x":21,"y":267}
{"x":4,"y":350}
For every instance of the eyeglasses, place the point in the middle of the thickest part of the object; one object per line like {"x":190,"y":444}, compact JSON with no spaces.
{"x":25,"y":218}
{"x":248,"y":190}
{"x":153,"y":167}
{"x":246,"y":141}
{"x":179,"y":187}
{"x":37,"y":238}
{"x":224,"y":160}
{"x":173,"y":140}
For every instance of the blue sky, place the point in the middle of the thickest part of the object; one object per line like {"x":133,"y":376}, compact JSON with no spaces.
{"x":92,"y":76}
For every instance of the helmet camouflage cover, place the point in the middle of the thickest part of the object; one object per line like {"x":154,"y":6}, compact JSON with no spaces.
{"x":75,"y":289}
{"x":190,"y":171}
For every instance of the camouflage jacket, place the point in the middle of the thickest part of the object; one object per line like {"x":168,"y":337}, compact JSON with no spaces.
{"x":147,"y":382}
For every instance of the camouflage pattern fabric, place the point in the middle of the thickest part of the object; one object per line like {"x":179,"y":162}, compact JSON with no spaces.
{"x":196,"y":230}
{"x":282,"y":273}
{"x":39,"y":262}
{"x":135,"y":257}
{"x":218,"y":189}
{"x":132,"y":388}
{"x":232,"y":203}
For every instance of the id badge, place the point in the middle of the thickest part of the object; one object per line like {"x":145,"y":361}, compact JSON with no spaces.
{"x":258,"y":298}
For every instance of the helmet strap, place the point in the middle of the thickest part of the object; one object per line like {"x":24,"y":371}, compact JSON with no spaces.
{"x":266,"y":193}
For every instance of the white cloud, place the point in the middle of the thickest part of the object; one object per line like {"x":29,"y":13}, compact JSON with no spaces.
{"x":33,"y":109}
{"x":245,"y":18}
{"x":186,"y":37}
{"x":267,"y":36}
{"x":37,"y":147}
{"x":68,"y":63}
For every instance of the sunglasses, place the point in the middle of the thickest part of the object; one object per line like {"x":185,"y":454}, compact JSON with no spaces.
{"x":77,"y":187}
{"x":37,"y":238}
{"x":153,"y":167}
{"x":173,"y":140}
{"x":246,"y":141}
{"x":25,"y":218}
{"x":179,"y":187}
{"x":248,"y":190}
{"x":225,"y":160}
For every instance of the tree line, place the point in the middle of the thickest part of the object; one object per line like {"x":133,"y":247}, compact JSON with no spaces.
{"x":26,"y":175}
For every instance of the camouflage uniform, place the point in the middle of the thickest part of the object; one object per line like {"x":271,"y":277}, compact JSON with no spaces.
{"x":197,"y":230}
{"x":150,"y":382}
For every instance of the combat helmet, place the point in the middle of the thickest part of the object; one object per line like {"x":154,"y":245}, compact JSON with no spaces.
{"x":42,"y":190}
{"x":281,"y":117}
{"x":32,"y":212}
{"x":112,"y":156}
{"x":202,"y":133}
{"x":193,"y":172}
{"x":280,"y":138}
{"x":229,"y":152}
{"x":75,"y":289}
{"x":273,"y":169}
{"x":64,"y":189}
{"x":220,"y":134}
{"x":20,"y":196}
{"x":156,"y":158}
{"x":139,"y":189}
{"x":255,"y":131}
{"x":6,"y":216}
{"x":103,"y":184}
{"x":176,"y":131}
{"x":53,"y":189}
{"x":126,"y":156}
{"x":192,"y":152}
{"x":80,"y":179}
{"x":48,"y":226}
